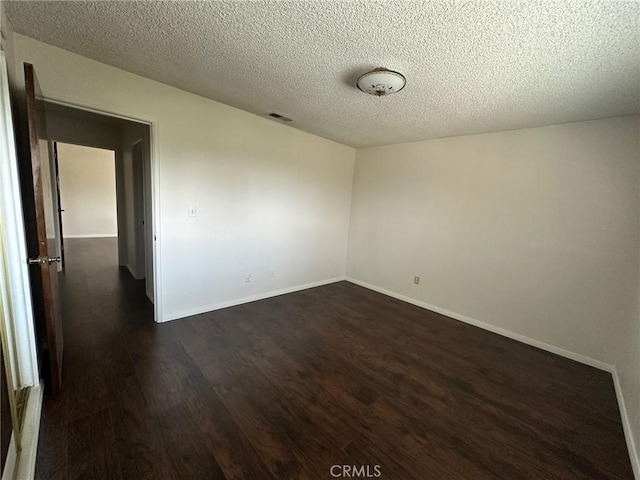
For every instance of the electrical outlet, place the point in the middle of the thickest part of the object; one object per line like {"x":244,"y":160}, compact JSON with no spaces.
{"x":416,"y":280}
{"x":247,"y":278}
{"x":272,"y":273}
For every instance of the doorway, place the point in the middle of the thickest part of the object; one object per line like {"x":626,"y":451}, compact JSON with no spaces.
{"x":86,"y":192}
{"x":105,"y":184}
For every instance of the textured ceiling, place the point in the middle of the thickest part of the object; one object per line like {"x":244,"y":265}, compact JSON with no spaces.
{"x":471,"y":67}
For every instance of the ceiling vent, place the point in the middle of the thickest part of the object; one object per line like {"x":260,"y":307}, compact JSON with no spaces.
{"x":279,"y":117}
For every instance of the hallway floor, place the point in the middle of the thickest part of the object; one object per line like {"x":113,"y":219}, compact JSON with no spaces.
{"x":297,"y":385}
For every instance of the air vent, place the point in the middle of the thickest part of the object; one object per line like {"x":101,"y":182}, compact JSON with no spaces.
{"x":279,"y":117}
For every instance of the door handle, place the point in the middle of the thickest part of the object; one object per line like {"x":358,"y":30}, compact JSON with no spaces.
{"x":44,"y":261}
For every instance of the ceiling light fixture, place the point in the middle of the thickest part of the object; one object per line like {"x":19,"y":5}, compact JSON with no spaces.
{"x":381,"y":81}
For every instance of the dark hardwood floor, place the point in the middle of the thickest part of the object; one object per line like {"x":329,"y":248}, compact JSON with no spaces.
{"x":290,"y":386}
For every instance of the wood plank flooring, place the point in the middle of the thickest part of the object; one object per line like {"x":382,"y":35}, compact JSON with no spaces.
{"x":287,"y":387}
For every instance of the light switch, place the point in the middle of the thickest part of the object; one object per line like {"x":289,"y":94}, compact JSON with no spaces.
{"x":193,"y":212}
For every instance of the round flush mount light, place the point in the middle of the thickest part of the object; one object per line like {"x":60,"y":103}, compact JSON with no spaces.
{"x":381,"y":81}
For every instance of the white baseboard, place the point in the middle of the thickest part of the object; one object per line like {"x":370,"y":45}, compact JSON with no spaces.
{"x":12,"y":460}
{"x":131,"y":270}
{"x":633,"y":453}
{"x":626,"y":425}
{"x":486,"y":326}
{"x":93,"y":235}
{"x":252,"y":298}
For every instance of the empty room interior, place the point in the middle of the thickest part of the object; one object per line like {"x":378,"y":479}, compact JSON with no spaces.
{"x":315,"y":240}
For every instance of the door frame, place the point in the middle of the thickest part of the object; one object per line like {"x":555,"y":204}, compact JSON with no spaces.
{"x":155,"y":189}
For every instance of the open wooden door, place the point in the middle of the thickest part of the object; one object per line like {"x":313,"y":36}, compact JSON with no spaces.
{"x":42,"y":254}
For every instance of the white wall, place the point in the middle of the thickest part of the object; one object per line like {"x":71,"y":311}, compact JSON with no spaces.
{"x":268,"y":196}
{"x":628,"y":364}
{"x":534,"y":231}
{"x":87,"y":191}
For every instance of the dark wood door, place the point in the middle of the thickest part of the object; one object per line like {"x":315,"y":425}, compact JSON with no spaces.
{"x":43,"y":258}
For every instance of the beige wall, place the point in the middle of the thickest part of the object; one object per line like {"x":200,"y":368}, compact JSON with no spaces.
{"x":87,"y":191}
{"x":269,"y":197}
